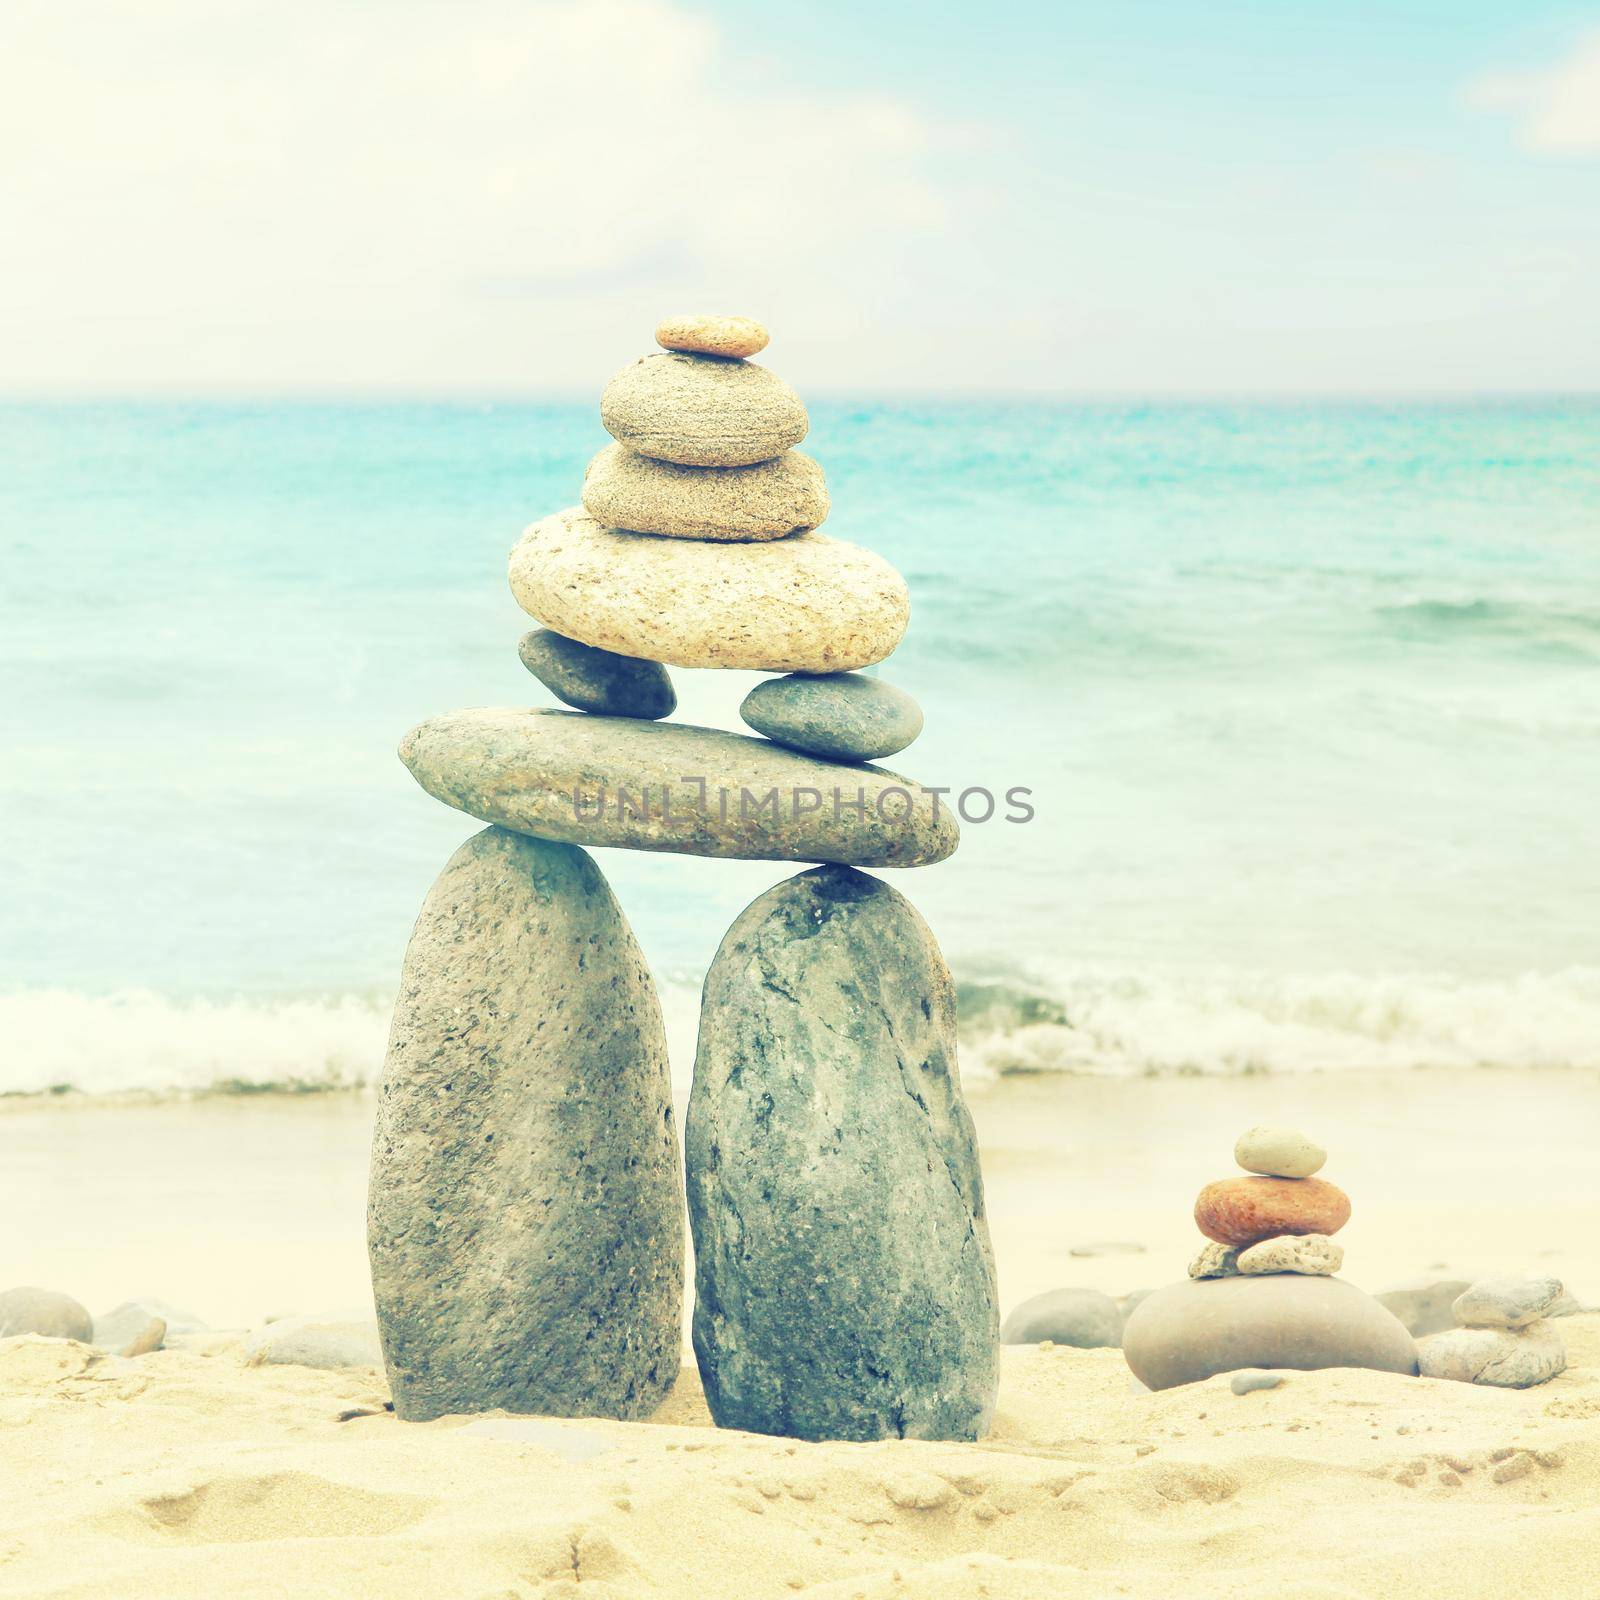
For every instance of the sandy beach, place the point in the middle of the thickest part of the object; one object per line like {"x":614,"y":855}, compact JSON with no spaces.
{"x":240,"y":1207}
{"x":191,"y":1473}
{"x":187,"y":1474}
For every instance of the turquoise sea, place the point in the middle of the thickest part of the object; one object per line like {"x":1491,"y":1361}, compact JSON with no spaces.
{"x":1307,"y":696}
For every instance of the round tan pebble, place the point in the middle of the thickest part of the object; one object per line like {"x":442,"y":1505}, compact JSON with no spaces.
{"x":1278,"y":1153}
{"x":702,"y":412}
{"x":802,"y":604}
{"x":623,"y":489}
{"x":712,"y":336}
{"x":1244,"y":1211}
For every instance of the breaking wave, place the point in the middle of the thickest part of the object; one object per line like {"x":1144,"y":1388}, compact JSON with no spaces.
{"x":1081,"y":1021}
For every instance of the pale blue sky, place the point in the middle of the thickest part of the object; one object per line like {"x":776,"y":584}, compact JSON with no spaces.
{"x":459,"y":195}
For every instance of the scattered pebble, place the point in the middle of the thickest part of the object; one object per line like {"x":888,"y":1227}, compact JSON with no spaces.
{"x":1249,"y":1382}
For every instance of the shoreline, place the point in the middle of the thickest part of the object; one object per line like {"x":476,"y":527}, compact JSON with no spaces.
{"x":238,"y":1206}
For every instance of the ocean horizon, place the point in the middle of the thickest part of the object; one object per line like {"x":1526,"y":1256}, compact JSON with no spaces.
{"x":1302,"y":691}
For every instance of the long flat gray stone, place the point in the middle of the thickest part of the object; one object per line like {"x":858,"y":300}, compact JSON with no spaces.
{"x":673,"y":787}
{"x":525,"y":1222}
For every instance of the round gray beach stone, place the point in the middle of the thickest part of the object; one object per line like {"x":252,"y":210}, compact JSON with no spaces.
{"x":598,"y":681}
{"x":623,"y":489}
{"x":673,"y":787}
{"x":1083,"y":1318}
{"x":45,"y":1312}
{"x":845,"y":1281}
{"x":702,"y":411}
{"x":525,"y":1221}
{"x":841,"y":716}
{"x":1425,"y":1305}
{"x":1193,"y":1330}
{"x":1507,"y":1302}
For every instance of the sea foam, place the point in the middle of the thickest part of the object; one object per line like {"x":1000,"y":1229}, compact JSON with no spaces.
{"x":1093,"y":1022}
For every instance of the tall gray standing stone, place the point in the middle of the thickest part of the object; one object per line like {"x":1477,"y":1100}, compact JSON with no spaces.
{"x":845,"y":1284}
{"x":524,"y":1221}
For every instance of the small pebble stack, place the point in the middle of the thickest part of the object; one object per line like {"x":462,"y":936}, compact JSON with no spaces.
{"x":1263,"y":1292}
{"x":525,"y":1209}
{"x":1504,"y":1339}
{"x":1277,"y":1221}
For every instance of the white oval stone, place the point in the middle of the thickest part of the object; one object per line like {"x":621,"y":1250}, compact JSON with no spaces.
{"x":712,"y":336}
{"x":1278,"y":1153}
{"x":702,"y":411}
{"x":623,"y":489}
{"x":1314,"y":1254}
{"x":803,"y":604}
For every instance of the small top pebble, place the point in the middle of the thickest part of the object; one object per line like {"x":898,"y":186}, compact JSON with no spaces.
{"x":1507,"y":1302}
{"x":1278,"y":1153}
{"x":712,"y":336}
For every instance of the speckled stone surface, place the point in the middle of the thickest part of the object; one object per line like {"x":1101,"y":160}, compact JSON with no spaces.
{"x":712,"y":336}
{"x":702,"y":411}
{"x":674,"y":787}
{"x":1203,"y":1326}
{"x":804,"y":604}
{"x":599,"y":681}
{"x":525,"y":1224}
{"x":1310,"y":1253}
{"x":842,"y":716}
{"x":1507,"y":1302}
{"x":1499,"y":1358}
{"x":845,"y":1283}
{"x":770,"y":500}
{"x":1244,"y":1211}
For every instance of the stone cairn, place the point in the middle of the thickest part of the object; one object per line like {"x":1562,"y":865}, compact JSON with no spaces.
{"x":1262,"y":1293}
{"x":525,"y":1215}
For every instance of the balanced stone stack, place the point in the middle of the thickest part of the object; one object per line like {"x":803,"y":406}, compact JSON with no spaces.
{"x":525,"y":1215}
{"x":1262,"y":1293}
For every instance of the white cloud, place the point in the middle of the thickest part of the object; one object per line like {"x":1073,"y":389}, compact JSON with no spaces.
{"x":418,"y":191}
{"x":1559,"y":109}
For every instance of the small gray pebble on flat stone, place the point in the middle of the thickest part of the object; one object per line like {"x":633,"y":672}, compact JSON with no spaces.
{"x":1502,"y":1358}
{"x":1082,"y":1318}
{"x":1507,"y":1302}
{"x":1215,"y":1261}
{"x":598,"y":681}
{"x":45,"y":1312}
{"x":702,"y":411}
{"x":838,"y":715}
{"x":329,"y":1341}
{"x":1425,"y":1305}
{"x":1312,"y":1253}
{"x":1249,"y":1382}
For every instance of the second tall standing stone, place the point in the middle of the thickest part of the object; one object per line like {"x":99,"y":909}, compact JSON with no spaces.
{"x":845,"y":1283}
